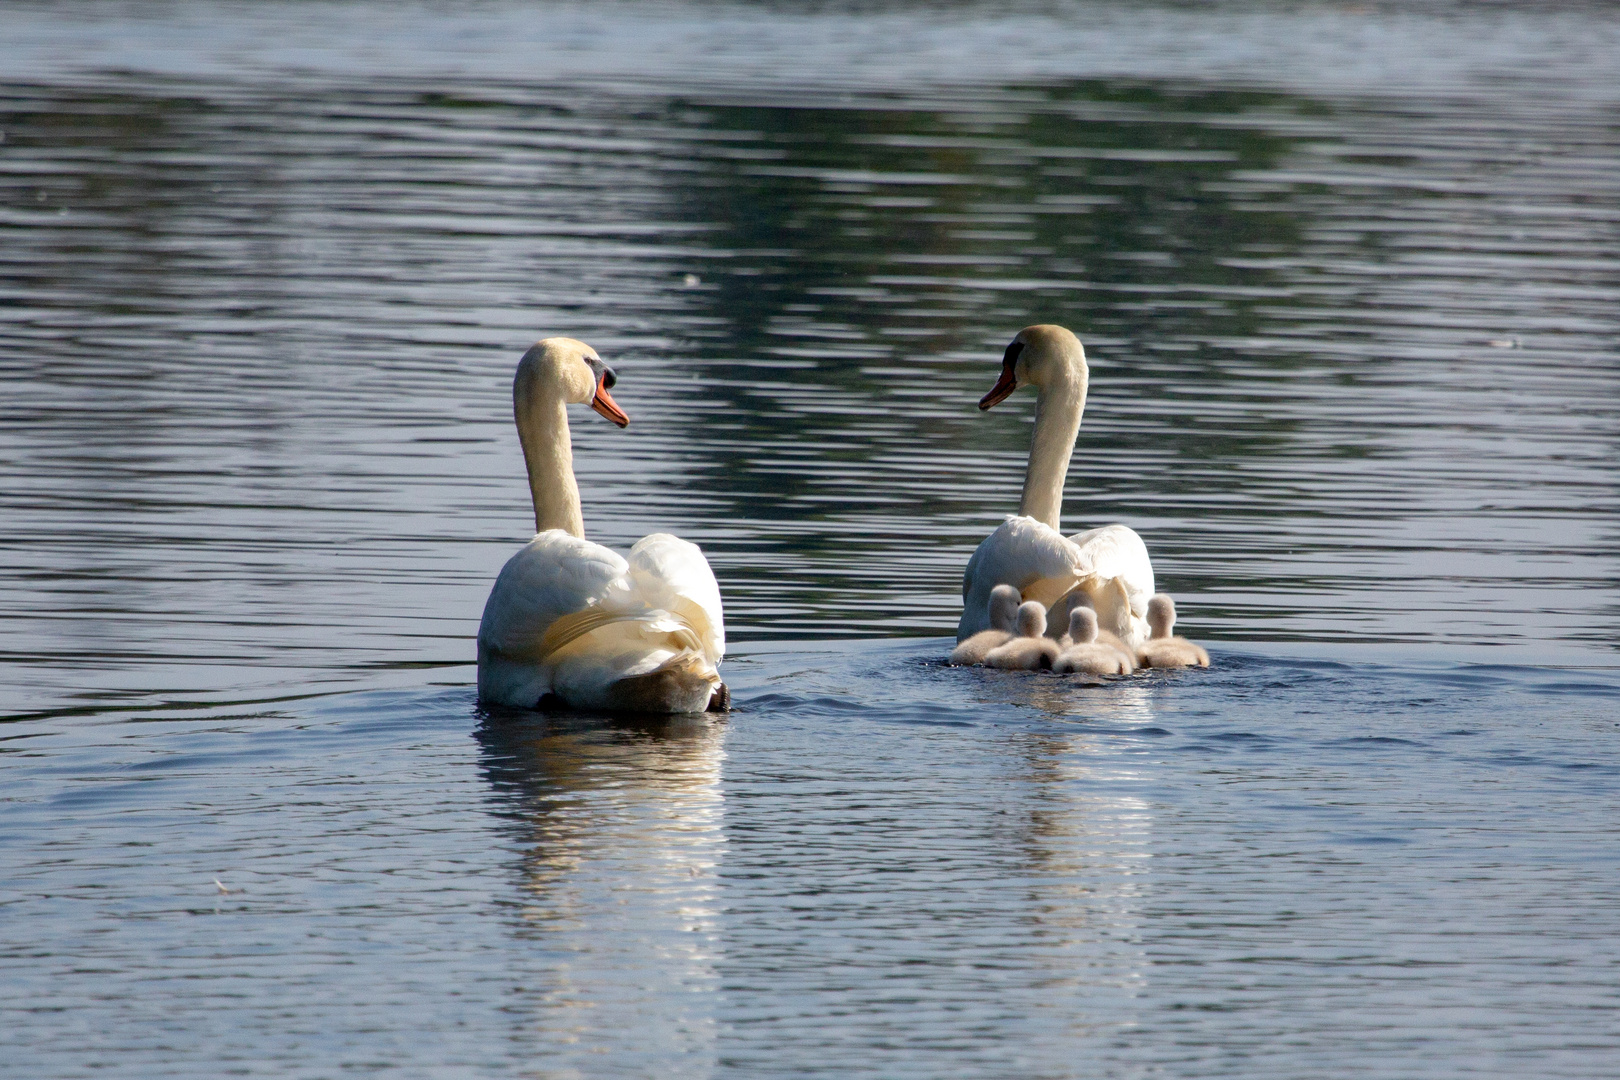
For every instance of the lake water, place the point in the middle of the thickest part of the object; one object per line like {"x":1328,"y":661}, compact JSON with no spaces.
{"x":1349,"y":281}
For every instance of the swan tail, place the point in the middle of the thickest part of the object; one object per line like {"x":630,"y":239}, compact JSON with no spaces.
{"x":684,"y":682}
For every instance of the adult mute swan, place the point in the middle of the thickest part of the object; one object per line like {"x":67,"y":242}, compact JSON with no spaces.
{"x":575,"y":620}
{"x":1110,"y":565}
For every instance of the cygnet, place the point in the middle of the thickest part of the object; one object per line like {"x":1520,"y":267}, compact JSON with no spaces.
{"x":1086,"y":654}
{"x":1031,"y":650}
{"x":1163,"y":650}
{"x":1064,"y":610}
{"x":1003,"y":614}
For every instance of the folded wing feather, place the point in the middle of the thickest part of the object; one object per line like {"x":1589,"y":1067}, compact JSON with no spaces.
{"x":553,"y":576}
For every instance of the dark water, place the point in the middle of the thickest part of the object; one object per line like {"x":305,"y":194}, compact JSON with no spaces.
{"x":1347,"y":277}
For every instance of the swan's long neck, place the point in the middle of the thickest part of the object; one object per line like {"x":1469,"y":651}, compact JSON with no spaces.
{"x":543,"y":431}
{"x":1057,"y":422}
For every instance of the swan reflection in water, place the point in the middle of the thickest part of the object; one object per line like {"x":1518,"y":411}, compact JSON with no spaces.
{"x":619,"y":826}
{"x":1088,"y":839}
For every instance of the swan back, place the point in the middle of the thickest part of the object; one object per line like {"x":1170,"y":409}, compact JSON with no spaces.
{"x":671,"y":574}
{"x":574,"y":618}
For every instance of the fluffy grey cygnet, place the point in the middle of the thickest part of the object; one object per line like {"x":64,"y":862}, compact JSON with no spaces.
{"x":1064,"y":610}
{"x":1163,"y":649}
{"x":1085,"y":653}
{"x":1003,"y":615}
{"x":1031,"y":650}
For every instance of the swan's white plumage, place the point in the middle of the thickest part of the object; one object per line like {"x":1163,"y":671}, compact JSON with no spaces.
{"x":1120,"y":580}
{"x":668,"y":572}
{"x":553,"y":575}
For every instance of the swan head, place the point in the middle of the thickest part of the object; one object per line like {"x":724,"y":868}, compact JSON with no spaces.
{"x":563,"y":369}
{"x":1004,"y":607}
{"x":1040,"y":356}
{"x":1031,"y":619}
{"x":1083,"y":626}
{"x":1161,"y":615}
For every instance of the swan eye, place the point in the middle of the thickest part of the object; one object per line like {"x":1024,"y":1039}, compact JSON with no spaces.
{"x":603,"y":373}
{"x":1011,"y":355}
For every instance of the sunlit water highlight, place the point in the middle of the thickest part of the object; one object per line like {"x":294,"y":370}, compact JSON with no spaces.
{"x":1348,"y":283}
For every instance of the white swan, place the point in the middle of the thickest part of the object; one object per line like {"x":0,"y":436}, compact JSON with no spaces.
{"x":1164,"y":649}
{"x":1110,"y":565}
{"x":1003,"y":621}
{"x":575,"y":620}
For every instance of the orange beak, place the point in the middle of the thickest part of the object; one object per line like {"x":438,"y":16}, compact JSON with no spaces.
{"x":603,"y":403}
{"x":1003,"y":388}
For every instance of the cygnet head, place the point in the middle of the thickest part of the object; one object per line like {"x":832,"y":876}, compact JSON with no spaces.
{"x":1031,"y":619}
{"x":1004,"y":607}
{"x":1161,"y":615}
{"x":561,"y":368}
{"x":1083,"y":626}
{"x":1045,"y":355}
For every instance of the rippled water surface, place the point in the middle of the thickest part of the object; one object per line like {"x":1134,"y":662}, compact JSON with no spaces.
{"x":1348,"y":280}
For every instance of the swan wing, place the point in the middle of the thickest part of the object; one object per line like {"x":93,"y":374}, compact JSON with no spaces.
{"x":553,"y":576}
{"x":1029,"y":555}
{"x":670,"y":574}
{"x":1118,"y":578}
